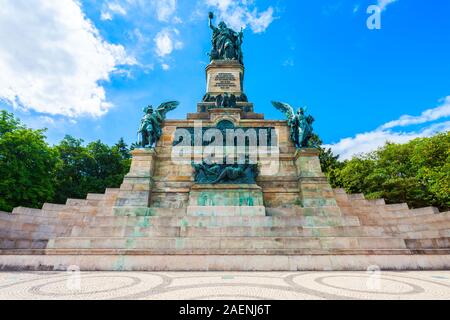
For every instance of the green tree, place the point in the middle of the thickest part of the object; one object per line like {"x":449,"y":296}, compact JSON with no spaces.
{"x":123,"y":149}
{"x":27,"y":165}
{"x":417,"y":173}
{"x":89,"y":169}
{"x":328,"y":160}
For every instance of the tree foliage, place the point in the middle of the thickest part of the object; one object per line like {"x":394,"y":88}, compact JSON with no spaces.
{"x":32,"y":172}
{"x":27,"y":165}
{"x":417,"y":173}
{"x":91,"y":168}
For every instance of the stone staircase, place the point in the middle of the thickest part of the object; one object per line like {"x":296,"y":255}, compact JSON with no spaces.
{"x":354,"y":235}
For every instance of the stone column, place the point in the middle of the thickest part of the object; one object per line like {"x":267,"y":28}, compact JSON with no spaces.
{"x":135,"y":192}
{"x":315,"y":191}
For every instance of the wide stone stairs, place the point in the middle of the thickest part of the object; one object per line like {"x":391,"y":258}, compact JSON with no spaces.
{"x":357,"y":226}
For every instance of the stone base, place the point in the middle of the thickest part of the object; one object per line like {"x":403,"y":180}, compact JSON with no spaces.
{"x":315,"y":191}
{"x":106,"y":262}
{"x":221,"y":195}
{"x":135,"y":191}
{"x":226,"y":200}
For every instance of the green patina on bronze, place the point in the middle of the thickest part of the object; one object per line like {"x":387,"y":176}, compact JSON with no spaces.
{"x":226,"y":43}
{"x":225,"y":174}
{"x":300,"y":125}
{"x":150,"y":129}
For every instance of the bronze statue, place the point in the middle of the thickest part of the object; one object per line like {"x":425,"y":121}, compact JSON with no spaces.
{"x":206,"y":173}
{"x":300,"y":124}
{"x":150,"y":130}
{"x":226,"y":43}
{"x":226,"y":101}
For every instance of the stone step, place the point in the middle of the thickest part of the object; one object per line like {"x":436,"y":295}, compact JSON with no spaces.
{"x":20,"y":221}
{"x":76,"y":202}
{"x":144,"y":228}
{"x":407,"y":228}
{"x":228,"y":243}
{"x":112,"y":191}
{"x":428,"y":234}
{"x":67,"y":212}
{"x":424,"y":211}
{"x":396,"y":207}
{"x":424,"y":219}
{"x":186,"y":221}
{"x":157,"y":231}
{"x":270,"y":253}
{"x":376,"y":202}
{"x":398,"y":214}
{"x":300,"y":211}
{"x":282,"y":232}
{"x":222,"y":260}
{"x":143,"y":212}
{"x":409,"y":213}
{"x":436,"y":243}
{"x":34,"y":212}
{"x":22,"y":244}
{"x":29,"y":231}
{"x":136,"y":232}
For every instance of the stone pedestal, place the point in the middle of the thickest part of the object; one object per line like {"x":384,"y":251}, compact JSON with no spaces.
{"x":226,"y":200}
{"x":225,"y":76}
{"x":315,"y":191}
{"x":134,"y":195}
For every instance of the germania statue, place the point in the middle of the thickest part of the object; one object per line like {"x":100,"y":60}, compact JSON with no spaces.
{"x":300,"y":124}
{"x":150,"y":129}
{"x":226,"y":43}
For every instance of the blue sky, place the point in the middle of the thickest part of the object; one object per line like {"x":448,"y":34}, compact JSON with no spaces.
{"x":88,"y":67}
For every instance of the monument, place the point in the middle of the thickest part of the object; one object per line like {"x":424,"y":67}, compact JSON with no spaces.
{"x":224,"y":189}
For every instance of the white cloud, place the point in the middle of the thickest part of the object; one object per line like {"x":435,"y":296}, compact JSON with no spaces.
{"x":384,"y":3}
{"x":166,"y":42}
{"x":369,"y":141}
{"x":426,"y":116}
{"x":241,"y":13}
{"x":112,"y":8}
{"x":52,"y":58}
{"x":162,"y":9}
{"x":165,"y":9}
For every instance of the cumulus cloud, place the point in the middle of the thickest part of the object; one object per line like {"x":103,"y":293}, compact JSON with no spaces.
{"x":165,"y":9}
{"x":112,"y":8}
{"x":369,"y":141}
{"x":166,"y":42}
{"x":242,"y":13}
{"x":52,"y":58}
{"x":426,"y":116}
{"x":162,"y":9}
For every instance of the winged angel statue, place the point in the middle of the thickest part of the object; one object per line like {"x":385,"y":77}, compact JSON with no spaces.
{"x":150,"y":130}
{"x":300,"y":124}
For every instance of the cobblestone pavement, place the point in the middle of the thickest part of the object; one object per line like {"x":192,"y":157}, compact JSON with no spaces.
{"x":225,"y":285}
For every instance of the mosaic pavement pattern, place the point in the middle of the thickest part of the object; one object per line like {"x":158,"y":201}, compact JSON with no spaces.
{"x":225,"y":285}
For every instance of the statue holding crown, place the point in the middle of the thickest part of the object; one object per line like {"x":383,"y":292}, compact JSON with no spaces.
{"x":226,"y":43}
{"x":150,"y":129}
